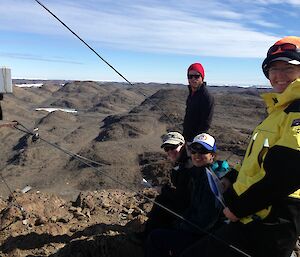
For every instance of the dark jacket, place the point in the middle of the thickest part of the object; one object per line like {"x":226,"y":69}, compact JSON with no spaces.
{"x":198,"y":113}
{"x":204,"y":209}
{"x":174,"y":195}
{"x":177,"y":191}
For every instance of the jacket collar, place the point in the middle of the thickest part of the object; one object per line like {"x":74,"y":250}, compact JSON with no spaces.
{"x":276,"y":101}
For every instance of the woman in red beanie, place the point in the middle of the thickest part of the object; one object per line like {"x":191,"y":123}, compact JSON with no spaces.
{"x":199,"y":104}
{"x":263,"y":203}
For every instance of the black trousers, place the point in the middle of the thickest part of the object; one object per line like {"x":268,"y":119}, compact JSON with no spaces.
{"x":257,"y":239}
{"x":159,"y":217}
{"x":167,"y":242}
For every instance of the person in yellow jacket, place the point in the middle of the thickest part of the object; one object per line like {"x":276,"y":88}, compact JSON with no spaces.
{"x":263,"y":204}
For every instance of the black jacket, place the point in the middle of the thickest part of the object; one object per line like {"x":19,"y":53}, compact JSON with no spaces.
{"x":198,"y":113}
{"x":204,"y":209}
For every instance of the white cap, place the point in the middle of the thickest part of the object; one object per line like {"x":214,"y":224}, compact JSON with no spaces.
{"x":205,"y":140}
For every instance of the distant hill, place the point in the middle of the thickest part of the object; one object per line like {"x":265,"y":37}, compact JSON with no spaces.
{"x":115,"y":125}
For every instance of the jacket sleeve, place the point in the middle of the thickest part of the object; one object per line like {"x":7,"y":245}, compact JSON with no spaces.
{"x":207,"y":113}
{"x":282,"y":178}
{"x":282,"y":175}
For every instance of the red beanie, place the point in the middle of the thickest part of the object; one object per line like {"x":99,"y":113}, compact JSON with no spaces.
{"x":197,"y":67}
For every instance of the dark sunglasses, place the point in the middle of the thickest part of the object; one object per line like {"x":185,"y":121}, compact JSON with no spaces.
{"x":201,"y":150}
{"x":170,"y":148}
{"x":284,"y":47}
{"x":196,"y":76}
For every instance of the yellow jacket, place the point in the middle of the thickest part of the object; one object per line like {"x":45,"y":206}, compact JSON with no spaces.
{"x":280,"y":128}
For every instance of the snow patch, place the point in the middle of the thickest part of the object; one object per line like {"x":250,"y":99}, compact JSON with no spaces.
{"x":56,"y":109}
{"x":30,"y":85}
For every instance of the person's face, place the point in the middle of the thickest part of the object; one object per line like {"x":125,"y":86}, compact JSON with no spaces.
{"x":195,"y":81}
{"x":200,"y":159}
{"x":281,"y":74}
{"x":173,"y":152}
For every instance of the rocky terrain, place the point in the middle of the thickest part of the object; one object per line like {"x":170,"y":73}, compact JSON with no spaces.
{"x":96,"y":224}
{"x":74,"y":189}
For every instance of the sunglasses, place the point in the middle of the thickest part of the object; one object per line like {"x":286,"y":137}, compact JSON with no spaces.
{"x":170,"y":148}
{"x":199,"y":151}
{"x":284,"y":47}
{"x":287,"y":70}
{"x":196,"y":76}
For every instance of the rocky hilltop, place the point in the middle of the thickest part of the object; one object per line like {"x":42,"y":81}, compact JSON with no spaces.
{"x":76,"y":205}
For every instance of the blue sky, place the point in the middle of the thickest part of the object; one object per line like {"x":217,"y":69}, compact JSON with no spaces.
{"x":146,"y":40}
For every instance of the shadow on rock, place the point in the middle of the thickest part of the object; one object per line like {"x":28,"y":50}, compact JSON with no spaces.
{"x":96,"y":240}
{"x":103,"y":245}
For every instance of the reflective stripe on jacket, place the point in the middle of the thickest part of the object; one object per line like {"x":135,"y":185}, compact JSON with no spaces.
{"x":280,"y":128}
